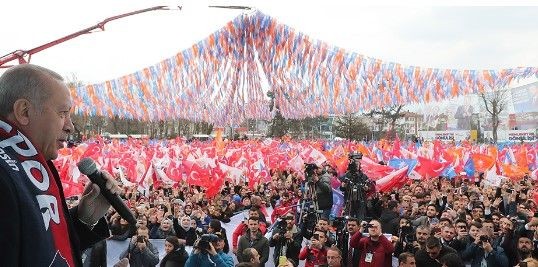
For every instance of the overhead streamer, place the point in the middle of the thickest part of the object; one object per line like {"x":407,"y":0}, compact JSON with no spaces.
{"x":219,"y":79}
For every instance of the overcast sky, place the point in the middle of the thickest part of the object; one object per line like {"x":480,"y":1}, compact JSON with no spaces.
{"x":462,"y":37}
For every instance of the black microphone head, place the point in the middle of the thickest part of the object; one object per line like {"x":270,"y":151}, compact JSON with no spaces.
{"x":87,"y":166}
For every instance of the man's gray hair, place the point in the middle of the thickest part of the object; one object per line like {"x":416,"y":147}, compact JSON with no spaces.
{"x":24,"y":81}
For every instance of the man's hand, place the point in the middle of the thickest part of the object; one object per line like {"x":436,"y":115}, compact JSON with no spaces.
{"x":93,"y":205}
{"x":276,"y":236}
{"x":288,"y":235}
{"x":141,"y":245}
{"x":212,"y":250}
{"x":487,"y":202}
{"x":487,"y":246}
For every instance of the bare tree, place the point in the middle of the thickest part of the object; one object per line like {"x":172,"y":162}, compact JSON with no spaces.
{"x":388,"y":115}
{"x":350,"y":127}
{"x":495,"y":102}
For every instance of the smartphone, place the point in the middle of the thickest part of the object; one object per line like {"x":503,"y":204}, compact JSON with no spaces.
{"x":282,"y":260}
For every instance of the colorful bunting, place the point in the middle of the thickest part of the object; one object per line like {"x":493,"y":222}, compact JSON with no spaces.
{"x":219,"y":79}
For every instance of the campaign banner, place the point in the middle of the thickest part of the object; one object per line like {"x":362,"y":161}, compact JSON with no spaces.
{"x":514,"y":135}
{"x":445,"y":135}
{"x":525,"y":98}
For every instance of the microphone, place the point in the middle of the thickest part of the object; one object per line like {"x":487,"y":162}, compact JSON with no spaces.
{"x":87,"y":166}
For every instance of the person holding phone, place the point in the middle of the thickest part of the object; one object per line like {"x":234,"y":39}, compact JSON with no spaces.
{"x":315,"y":253}
{"x":141,"y":252}
{"x":484,"y":252}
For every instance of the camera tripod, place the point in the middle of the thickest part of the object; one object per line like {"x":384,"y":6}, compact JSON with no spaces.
{"x":356,"y":197}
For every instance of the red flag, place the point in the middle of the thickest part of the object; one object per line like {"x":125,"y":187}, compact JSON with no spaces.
{"x":393,"y":180}
{"x":396,"y":148}
{"x":374,"y":170}
{"x":430,"y":168}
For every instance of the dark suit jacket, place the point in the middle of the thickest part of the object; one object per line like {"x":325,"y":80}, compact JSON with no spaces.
{"x":22,"y":239}
{"x":345,"y":248}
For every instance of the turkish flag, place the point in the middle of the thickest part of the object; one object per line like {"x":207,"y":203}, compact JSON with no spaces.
{"x":393,"y":180}
{"x":430,"y":168}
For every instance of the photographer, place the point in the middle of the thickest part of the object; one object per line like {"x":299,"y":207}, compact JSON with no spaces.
{"x":482,"y":252}
{"x":208,"y":252}
{"x":286,"y":239}
{"x":315,"y":253}
{"x":141,"y":252}
{"x":375,"y":249}
{"x":321,"y":183}
{"x":356,"y":186}
{"x":411,"y":241}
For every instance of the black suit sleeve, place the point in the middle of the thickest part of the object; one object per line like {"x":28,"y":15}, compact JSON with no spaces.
{"x":86,"y":236}
{"x":10,"y":237}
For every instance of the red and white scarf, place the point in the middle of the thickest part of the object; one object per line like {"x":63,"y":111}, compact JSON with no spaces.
{"x":46,"y":190}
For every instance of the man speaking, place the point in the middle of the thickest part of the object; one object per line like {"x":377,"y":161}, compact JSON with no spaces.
{"x":36,"y":227}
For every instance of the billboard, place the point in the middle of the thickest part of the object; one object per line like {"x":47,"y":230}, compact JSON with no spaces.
{"x":525,"y":98}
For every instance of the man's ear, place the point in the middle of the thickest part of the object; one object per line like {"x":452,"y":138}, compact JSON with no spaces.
{"x":21,"y":111}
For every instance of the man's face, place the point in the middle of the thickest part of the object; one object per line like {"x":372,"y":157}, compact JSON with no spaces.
{"x":168,"y":247}
{"x":433,"y":252}
{"x":142,"y":221}
{"x":431,"y":212}
{"x":524,"y":245}
{"x":473,"y":231}
{"x":457,"y":205}
{"x":448,"y":233}
{"x":253,"y":225}
{"x":255,"y":257}
{"x":49,"y":123}
{"x":217,"y":245}
{"x":333,"y":259}
{"x":477,"y":213}
{"x":410,"y":262}
{"x":144,"y":233}
{"x":252,"y":214}
{"x":323,"y":225}
{"x":375,"y":229}
{"x":352,"y":227}
{"x":422,"y":235}
{"x":290,"y":221}
{"x":461,"y":228}
{"x":419,"y":190}
{"x":488,"y":226}
{"x":320,"y":240}
{"x":506,"y":224}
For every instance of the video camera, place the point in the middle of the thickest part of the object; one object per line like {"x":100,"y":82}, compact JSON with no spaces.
{"x":282,"y":222}
{"x":353,"y":157}
{"x":407,"y":234}
{"x":203,"y":243}
{"x":310,"y":170}
{"x":340,"y":223}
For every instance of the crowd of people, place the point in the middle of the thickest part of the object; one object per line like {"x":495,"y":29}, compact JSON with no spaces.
{"x":437,"y":222}
{"x":458,"y":221}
